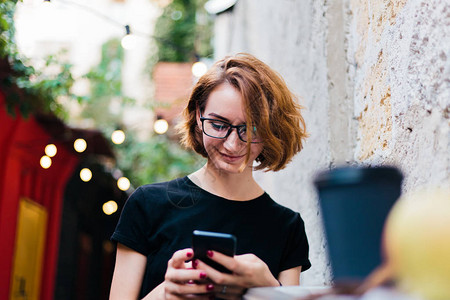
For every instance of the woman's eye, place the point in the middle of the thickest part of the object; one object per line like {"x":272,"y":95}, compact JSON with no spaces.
{"x":219,"y":126}
{"x":243,"y":130}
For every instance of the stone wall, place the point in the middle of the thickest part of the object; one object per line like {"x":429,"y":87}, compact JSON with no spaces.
{"x":402,"y":87}
{"x":373,"y":77}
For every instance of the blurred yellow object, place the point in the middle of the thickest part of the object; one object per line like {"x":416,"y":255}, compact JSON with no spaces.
{"x":29,"y":251}
{"x":417,"y":243}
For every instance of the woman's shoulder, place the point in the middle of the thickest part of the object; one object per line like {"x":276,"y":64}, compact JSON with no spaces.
{"x":161,"y":186}
{"x":281,"y":209}
{"x":153,"y":190}
{"x":162,"y":193}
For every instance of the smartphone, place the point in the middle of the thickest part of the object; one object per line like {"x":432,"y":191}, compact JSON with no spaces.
{"x":202,"y":241}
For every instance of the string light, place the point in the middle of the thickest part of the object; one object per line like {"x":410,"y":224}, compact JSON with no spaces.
{"x":45,"y":162}
{"x":50,"y":150}
{"x":110,"y":207}
{"x":129,"y":40}
{"x":118,"y":137}
{"x":85,"y":174}
{"x":123,"y":183}
{"x":161,"y":126}
{"x":80,"y":145}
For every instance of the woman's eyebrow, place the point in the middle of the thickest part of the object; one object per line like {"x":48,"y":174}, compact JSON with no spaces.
{"x":222,"y":118}
{"x":219,"y":117}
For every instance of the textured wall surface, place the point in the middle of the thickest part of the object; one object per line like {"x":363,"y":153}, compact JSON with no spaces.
{"x":374,"y":77}
{"x":402,"y":87}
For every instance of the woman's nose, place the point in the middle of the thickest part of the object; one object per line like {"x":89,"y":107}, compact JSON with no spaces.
{"x":233,"y":142}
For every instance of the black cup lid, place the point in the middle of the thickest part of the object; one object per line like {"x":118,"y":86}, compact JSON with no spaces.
{"x":352,"y":175}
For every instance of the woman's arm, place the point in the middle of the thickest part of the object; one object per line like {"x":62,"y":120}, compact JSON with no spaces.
{"x":181,"y":282}
{"x":128,"y":274}
{"x":290,"y":276}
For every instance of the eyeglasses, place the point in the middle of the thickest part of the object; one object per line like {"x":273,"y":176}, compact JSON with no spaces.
{"x":221,"y":130}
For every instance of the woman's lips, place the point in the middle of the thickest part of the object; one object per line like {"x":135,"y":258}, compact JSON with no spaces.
{"x":231,"y":157}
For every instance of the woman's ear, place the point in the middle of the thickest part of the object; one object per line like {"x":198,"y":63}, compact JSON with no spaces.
{"x":197,"y":116}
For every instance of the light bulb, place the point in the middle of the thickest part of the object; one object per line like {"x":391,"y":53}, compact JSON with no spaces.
{"x":123,"y":183}
{"x":129,"y":42}
{"x":110,"y":207}
{"x":50,"y":150}
{"x":118,"y":137}
{"x":85,"y":174}
{"x":161,"y":126}
{"x":80,"y":145}
{"x":45,"y":162}
{"x":199,"y":69}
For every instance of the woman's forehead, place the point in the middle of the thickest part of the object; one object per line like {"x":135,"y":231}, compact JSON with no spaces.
{"x":226,"y":102}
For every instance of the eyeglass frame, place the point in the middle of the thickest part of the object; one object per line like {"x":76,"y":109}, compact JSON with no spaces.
{"x":202,"y":119}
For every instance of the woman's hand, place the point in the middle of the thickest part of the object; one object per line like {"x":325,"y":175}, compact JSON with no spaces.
{"x":247,"y":271}
{"x":184,"y":282}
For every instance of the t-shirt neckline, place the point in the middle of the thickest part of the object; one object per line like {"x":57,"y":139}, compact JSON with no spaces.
{"x":264,"y":195}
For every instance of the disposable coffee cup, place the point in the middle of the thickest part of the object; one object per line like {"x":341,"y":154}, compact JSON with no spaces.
{"x":355,"y":202}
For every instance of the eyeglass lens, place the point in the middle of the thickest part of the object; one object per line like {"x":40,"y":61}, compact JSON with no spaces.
{"x":220,"y":129}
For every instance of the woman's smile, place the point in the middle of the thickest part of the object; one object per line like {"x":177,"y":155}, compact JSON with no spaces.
{"x":231,"y":158}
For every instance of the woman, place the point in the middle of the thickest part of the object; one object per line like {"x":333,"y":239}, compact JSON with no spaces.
{"x":240,"y":112}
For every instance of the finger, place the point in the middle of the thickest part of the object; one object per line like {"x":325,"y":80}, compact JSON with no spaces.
{"x":227,"y":261}
{"x":185,"y":275}
{"x":188,"y":290}
{"x":179,"y":257}
{"x":216,"y":276}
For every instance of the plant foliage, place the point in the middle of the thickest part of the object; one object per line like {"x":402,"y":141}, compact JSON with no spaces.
{"x":155,"y":160}
{"x":26,"y":89}
{"x":183,"y":32}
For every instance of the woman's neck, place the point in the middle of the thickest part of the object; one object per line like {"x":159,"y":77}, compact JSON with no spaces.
{"x":238,"y":186}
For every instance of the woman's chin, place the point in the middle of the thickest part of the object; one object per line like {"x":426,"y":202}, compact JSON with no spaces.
{"x":230,"y":168}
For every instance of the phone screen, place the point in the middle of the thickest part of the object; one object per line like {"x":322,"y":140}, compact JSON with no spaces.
{"x":202,"y":241}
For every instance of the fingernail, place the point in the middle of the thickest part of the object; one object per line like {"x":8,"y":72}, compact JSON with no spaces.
{"x":189,"y":254}
{"x":202,"y":275}
{"x":191,"y":281}
{"x":195,"y":263}
{"x":209,"y":253}
{"x":210,"y":287}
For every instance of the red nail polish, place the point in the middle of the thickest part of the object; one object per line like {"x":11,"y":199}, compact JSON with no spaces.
{"x":202,"y":275}
{"x":209,"y":253}
{"x":189,"y":254}
{"x":195,"y":263}
{"x":210,"y":287}
{"x":191,"y":281}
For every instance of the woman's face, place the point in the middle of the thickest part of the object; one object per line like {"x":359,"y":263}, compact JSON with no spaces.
{"x":226,"y":104}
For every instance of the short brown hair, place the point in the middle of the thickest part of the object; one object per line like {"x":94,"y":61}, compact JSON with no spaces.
{"x":269,"y":105}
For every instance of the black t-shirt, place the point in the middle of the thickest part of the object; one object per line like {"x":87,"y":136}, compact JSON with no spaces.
{"x":158,"y":219}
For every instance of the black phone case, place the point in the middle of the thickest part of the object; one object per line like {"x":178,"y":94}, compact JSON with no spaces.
{"x":202,"y":241}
